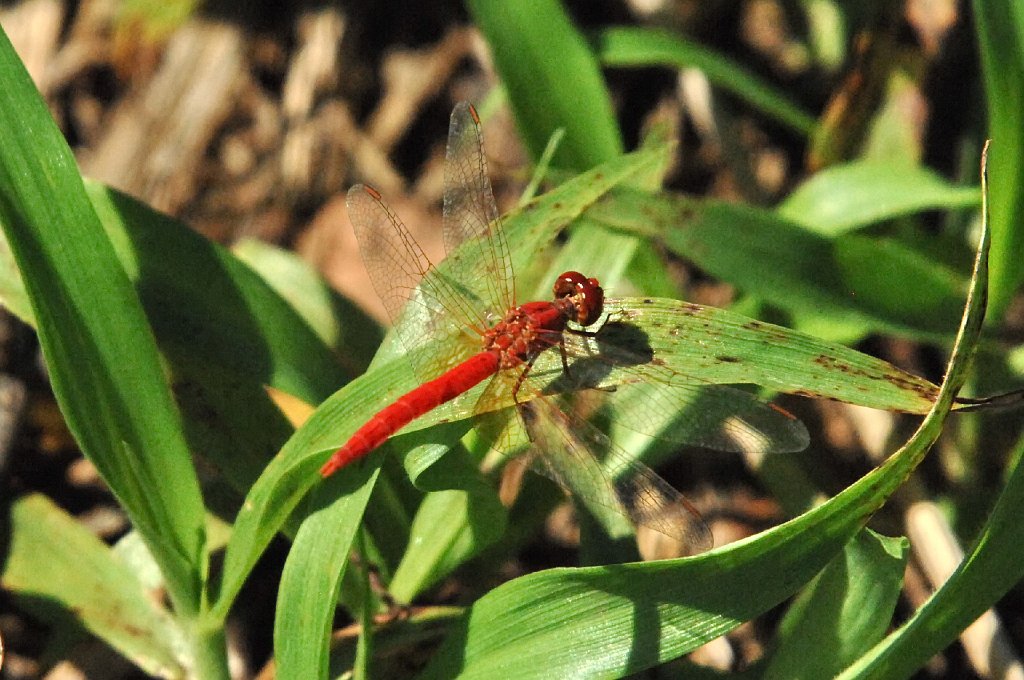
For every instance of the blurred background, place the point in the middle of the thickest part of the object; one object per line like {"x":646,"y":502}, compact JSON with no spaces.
{"x":251,"y":120}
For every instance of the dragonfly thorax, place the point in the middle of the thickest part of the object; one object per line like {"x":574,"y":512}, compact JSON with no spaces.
{"x":527,"y":330}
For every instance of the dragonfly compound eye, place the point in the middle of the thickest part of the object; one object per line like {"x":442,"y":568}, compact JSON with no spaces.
{"x":586,"y":293}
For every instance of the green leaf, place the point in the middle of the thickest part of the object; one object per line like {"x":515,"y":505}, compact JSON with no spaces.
{"x":711,"y":346}
{"x":245,"y":329}
{"x":12,"y":290}
{"x":100,"y":352}
{"x":318,"y":559}
{"x":627,"y":46}
{"x":52,"y":559}
{"x":552,"y":78}
{"x":991,"y":568}
{"x":451,"y":526}
{"x":339,"y":323}
{"x":223,"y":348}
{"x":794,"y":267}
{"x":846,"y":197}
{"x":893,"y":281}
{"x":324,"y":539}
{"x":844,"y":611}
{"x":1000,"y":25}
{"x":624,"y":618}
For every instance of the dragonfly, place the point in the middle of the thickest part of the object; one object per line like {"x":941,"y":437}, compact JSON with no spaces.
{"x":473,"y":301}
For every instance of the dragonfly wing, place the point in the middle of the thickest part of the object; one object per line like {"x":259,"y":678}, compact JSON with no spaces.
{"x":394,"y":260}
{"x":655,"y":400}
{"x":478,"y":252}
{"x":421,"y":303}
{"x":565,"y":446}
{"x":495,"y":422}
{"x":716,"y":417}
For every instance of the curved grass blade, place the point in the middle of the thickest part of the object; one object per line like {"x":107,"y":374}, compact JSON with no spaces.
{"x":842,"y":198}
{"x":222,"y":314}
{"x":629,"y":46}
{"x":451,"y":525}
{"x":552,"y":78}
{"x":318,"y":558}
{"x":302,"y":624}
{"x":807,"y":272}
{"x":54,"y":559}
{"x":1000,"y":26}
{"x":102,"y":358}
{"x":624,"y":618}
{"x":844,"y":611}
{"x":990,"y":569}
{"x":224,"y":332}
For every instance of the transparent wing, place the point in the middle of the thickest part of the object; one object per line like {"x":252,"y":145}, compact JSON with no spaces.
{"x":564,"y":451}
{"x":566,"y":448}
{"x":478,"y":252}
{"x":657,"y":401}
{"x":421,"y":303}
{"x":394,"y":260}
{"x":717,"y":417}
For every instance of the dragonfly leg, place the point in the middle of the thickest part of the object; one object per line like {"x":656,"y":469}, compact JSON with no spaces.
{"x":565,"y":360}
{"x":522,"y":377}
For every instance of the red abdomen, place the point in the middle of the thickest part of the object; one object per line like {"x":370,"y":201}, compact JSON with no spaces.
{"x":411,"y":405}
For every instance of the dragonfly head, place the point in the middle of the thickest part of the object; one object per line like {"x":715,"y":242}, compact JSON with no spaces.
{"x":586,"y":295}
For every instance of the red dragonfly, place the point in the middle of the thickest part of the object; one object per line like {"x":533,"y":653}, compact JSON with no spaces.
{"x":474,"y":297}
